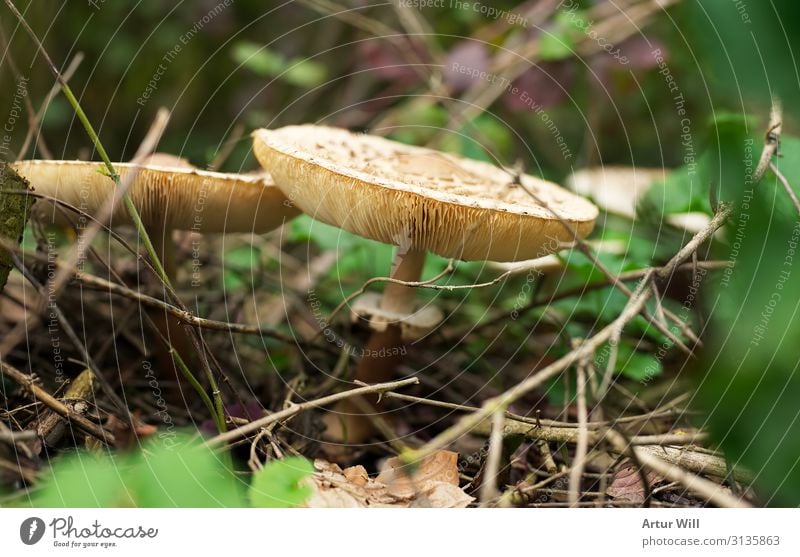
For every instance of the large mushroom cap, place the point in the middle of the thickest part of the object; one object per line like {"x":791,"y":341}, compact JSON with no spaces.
{"x":418,"y":198}
{"x":176,"y":196}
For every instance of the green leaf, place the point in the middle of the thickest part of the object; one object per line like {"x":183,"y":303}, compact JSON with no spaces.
{"x":277,"y":485}
{"x":258,"y":59}
{"x":184,"y":473}
{"x":559,"y":42}
{"x":85,"y":481}
{"x":300,"y":72}
{"x":239,"y":266}
{"x":753,"y":48}
{"x":637,"y":365}
{"x":305,"y":73}
{"x":749,"y":389}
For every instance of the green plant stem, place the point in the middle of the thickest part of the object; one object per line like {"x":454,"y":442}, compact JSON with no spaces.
{"x":133,"y":212}
{"x":216,"y":410}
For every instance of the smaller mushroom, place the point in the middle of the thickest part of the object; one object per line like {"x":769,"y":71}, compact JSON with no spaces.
{"x":618,"y":190}
{"x":419,"y":200}
{"x":170,"y":194}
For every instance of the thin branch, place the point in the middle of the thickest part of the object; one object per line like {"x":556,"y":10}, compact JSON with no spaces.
{"x":585,"y":350}
{"x":413,"y":284}
{"x":582,"y":447}
{"x":786,"y":186}
{"x":708,"y":490}
{"x":772,"y":140}
{"x":54,"y":404}
{"x":302,"y":407}
{"x":489,"y":489}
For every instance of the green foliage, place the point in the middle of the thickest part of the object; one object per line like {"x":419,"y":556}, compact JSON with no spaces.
{"x":173,"y":472}
{"x":241,"y":263}
{"x":277,"y":485}
{"x":301,"y":72}
{"x":559,"y":41}
{"x":86,"y":480}
{"x":748,"y":49}
{"x":751,"y":378}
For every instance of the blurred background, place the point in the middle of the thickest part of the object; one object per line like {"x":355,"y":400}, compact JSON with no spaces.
{"x":587,"y":72}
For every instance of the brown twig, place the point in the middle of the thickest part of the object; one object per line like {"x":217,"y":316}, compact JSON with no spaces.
{"x":27,"y":383}
{"x":302,"y":407}
{"x":706,"y":489}
{"x":489,"y":489}
{"x":772,"y":140}
{"x":786,"y":186}
{"x":582,"y":445}
{"x":585,"y":350}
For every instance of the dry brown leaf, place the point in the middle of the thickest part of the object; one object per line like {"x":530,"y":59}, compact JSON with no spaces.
{"x":441,"y":467}
{"x":435,"y":484}
{"x":627,"y":484}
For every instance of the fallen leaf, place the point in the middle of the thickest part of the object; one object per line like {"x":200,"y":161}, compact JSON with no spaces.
{"x":627,"y":484}
{"x":434,"y":484}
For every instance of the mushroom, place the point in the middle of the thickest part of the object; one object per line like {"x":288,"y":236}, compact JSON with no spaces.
{"x":169,"y":193}
{"x":419,"y":200}
{"x":618,"y":190}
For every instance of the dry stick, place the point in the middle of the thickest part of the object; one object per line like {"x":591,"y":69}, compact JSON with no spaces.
{"x":634,"y":305}
{"x":772,"y":139}
{"x":706,"y":489}
{"x":723,"y":212}
{"x":185,"y":316}
{"x":77,"y":253}
{"x":561,"y":435}
{"x":583,"y":289}
{"x":13,"y":437}
{"x":33,"y":124}
{"x":68,"y":329}
{"x":502,"y":401}
{"x":302,"y":407}
{"x":582,"y":447}
{"x":489,"y":489}
{"x":54,"y":404}
{"x":587,"y":251}
{"x":786,"y":186}
{"x":145,"y":149}
{"x":541,"y":423}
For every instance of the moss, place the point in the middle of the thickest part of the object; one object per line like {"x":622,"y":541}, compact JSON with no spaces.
{"x":14,"y":212}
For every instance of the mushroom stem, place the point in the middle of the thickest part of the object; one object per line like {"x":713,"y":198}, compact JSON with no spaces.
{"x":381,"y":357}
{"x":408,"y":268}
{"x":382,"y":354}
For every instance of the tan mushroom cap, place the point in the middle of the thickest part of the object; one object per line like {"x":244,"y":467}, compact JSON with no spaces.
{"x":417,"y":197}
{"x":177,"y":196}
{"x":617,"y":189}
